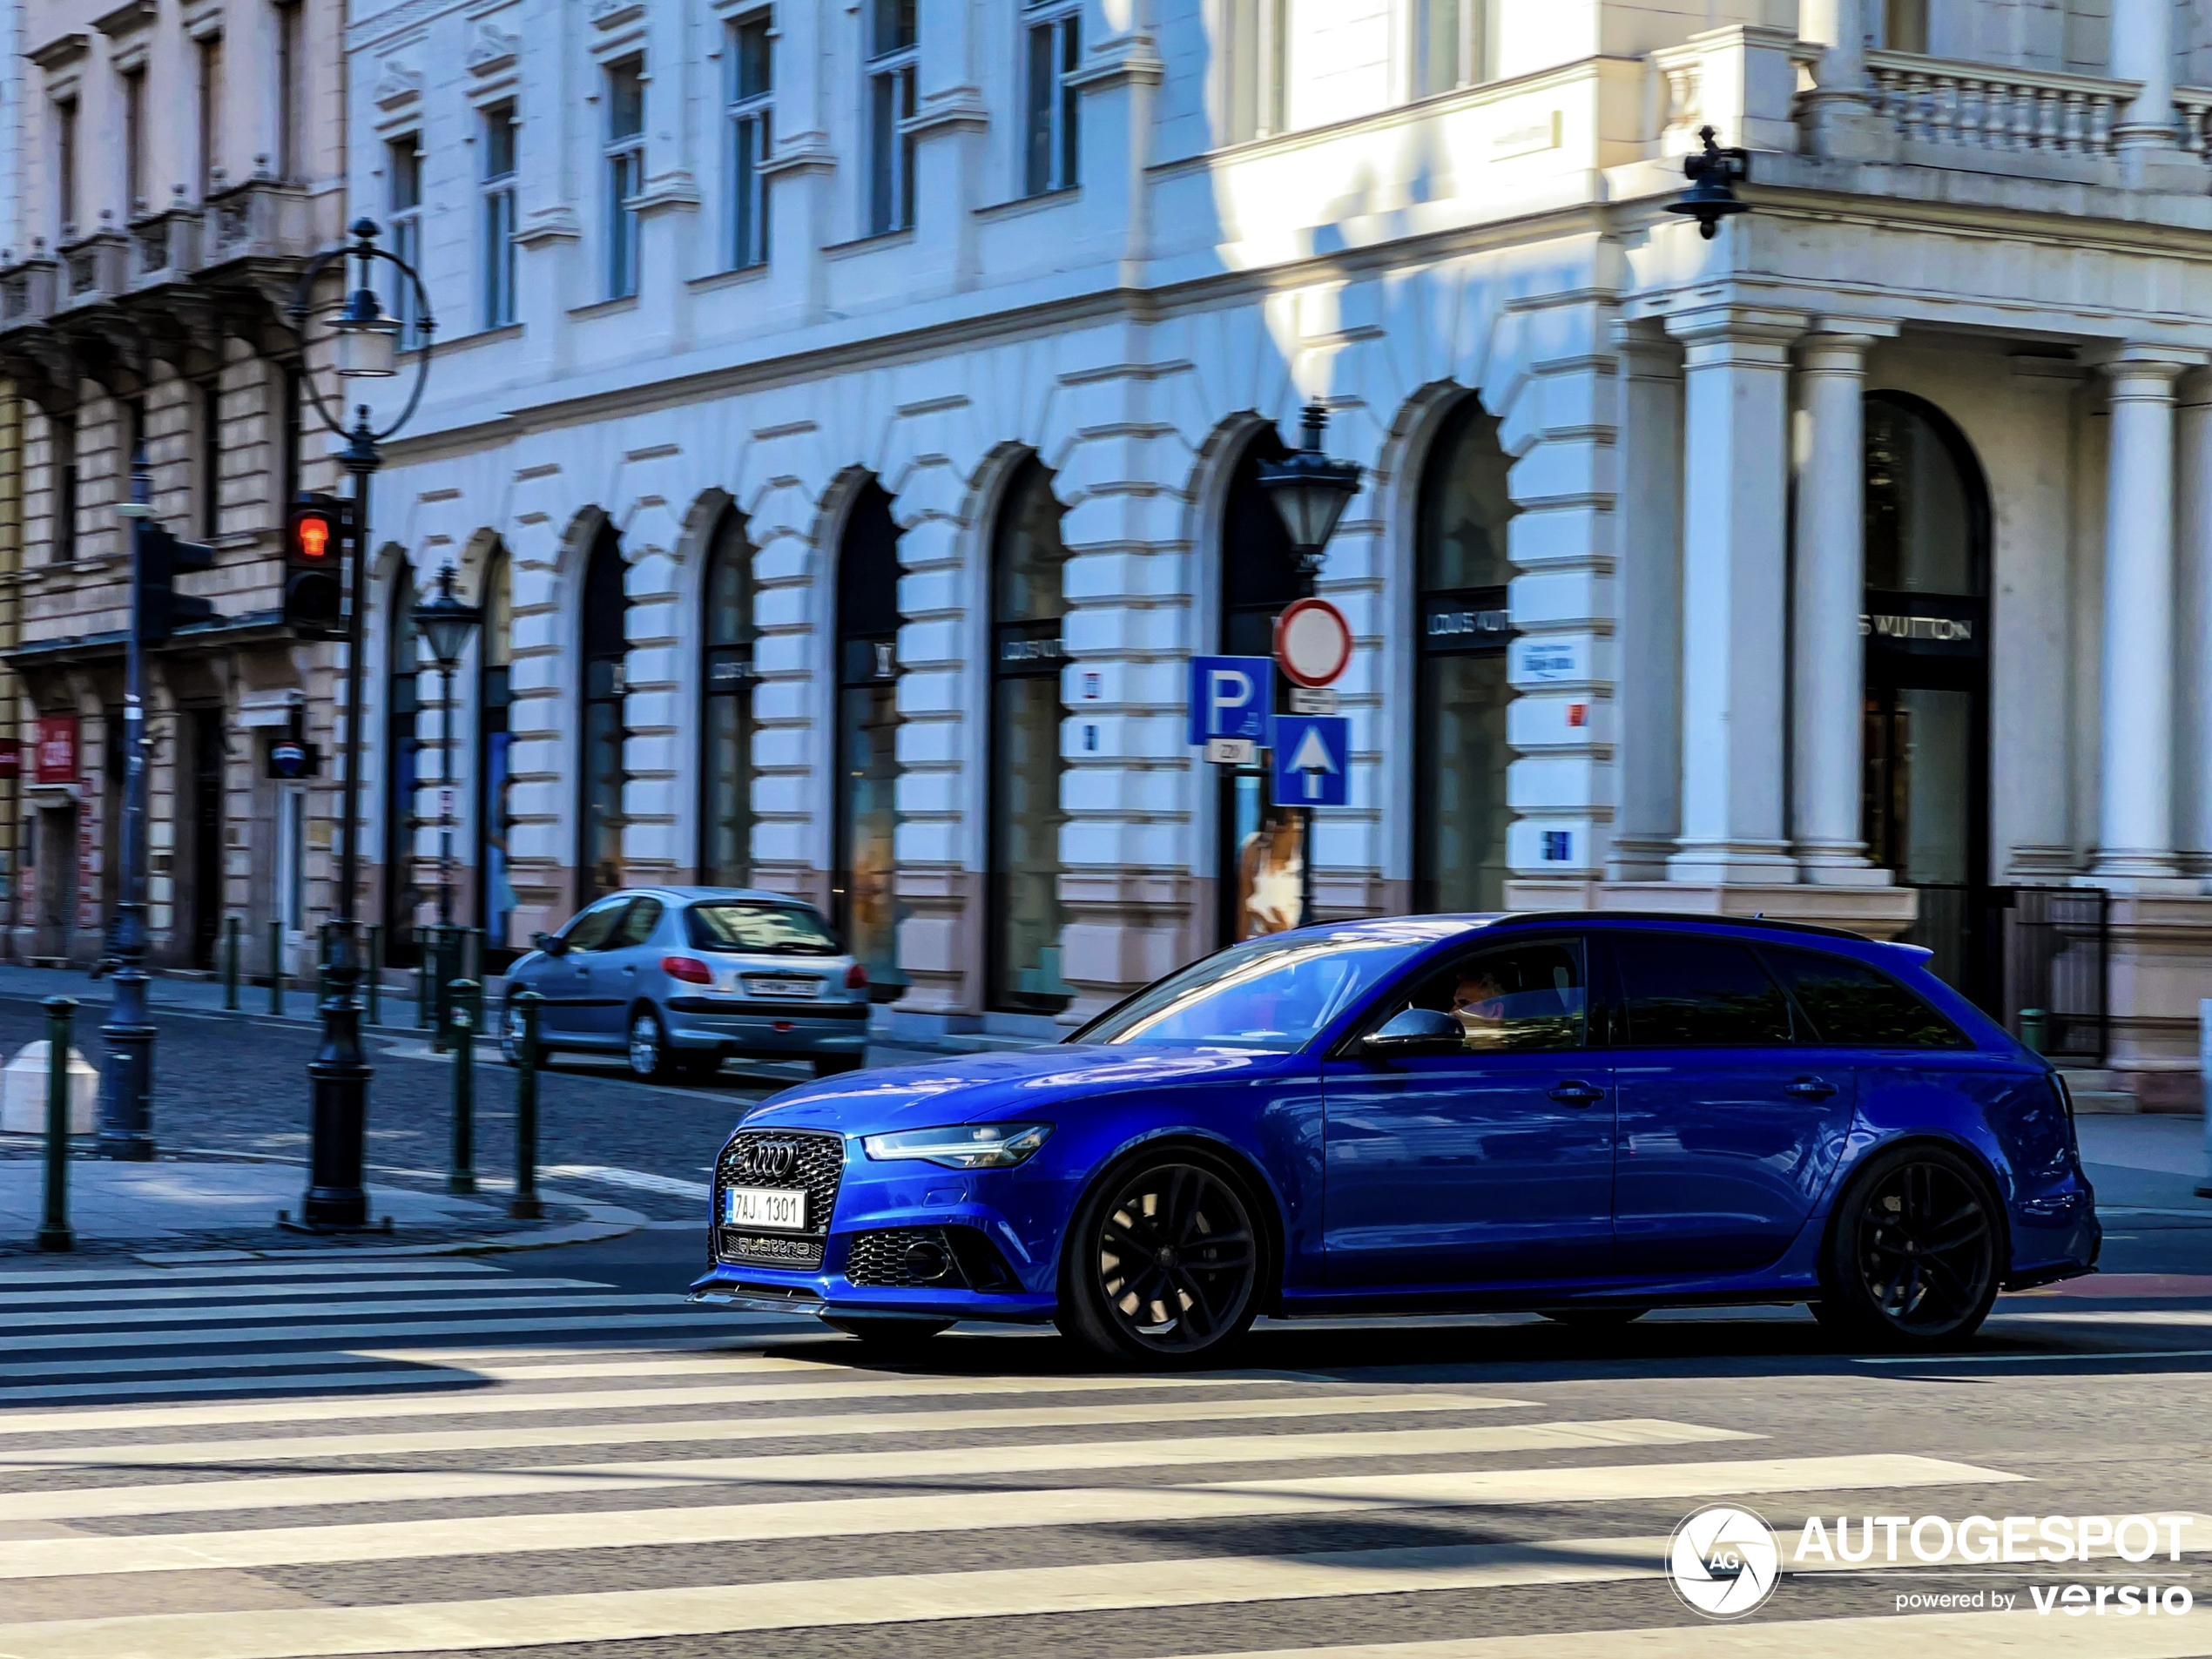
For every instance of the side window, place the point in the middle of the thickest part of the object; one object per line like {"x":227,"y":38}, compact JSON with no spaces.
{"x":1852,"y":1006}
{"x":589,"y":930}
{"x":1679,"y":991}
{"x":638,"y":924}
{"x":1518,"y":999}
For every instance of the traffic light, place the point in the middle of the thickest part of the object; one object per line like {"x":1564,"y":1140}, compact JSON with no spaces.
{"x":160,"y":609}
{"x":316,"y":548}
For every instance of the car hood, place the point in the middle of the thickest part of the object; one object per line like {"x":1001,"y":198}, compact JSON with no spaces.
{"x":1007,"y":1088}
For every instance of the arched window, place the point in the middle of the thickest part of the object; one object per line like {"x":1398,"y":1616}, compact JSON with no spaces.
{"x":1459,"y":754}
{"x":725,"y":756}
{"x":1924,"y":794}
{"x":1027,"y":600}
{"x":494,"y":809}
{"x":600,"y":778}
{"x":1259,"y":858}
{"x":402,"y":771}
{"x":863,"y":894}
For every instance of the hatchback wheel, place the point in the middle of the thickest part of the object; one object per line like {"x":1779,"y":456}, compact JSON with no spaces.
{"x":510,"y":1037}
{"x":649,"y":1050}
{"x":1913,"y":1258}
{"x":1165,"y":1261}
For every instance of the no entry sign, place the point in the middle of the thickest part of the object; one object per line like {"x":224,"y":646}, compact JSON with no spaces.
{"x":1312,"y":642}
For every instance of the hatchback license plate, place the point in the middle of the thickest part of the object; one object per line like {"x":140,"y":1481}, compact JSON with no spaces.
{"x":772,"y":1208}
{"x":793,"y":987}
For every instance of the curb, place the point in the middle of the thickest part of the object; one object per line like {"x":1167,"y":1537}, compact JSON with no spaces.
{"x":602,"y":1222}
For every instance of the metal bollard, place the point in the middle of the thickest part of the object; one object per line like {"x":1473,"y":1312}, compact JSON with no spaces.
{"x":472,"y":956}
{"x":2033,"y":1024}
{"x":375,"y":974}
{"x":276,"y":967}
{"x":230,"y":953}
{"x":53,"y":1233}
{"x":461,"y":1177}
{"x":421,"y":981}
{"x":524,"y":1206}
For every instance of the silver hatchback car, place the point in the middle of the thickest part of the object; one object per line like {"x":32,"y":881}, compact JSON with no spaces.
{"x":679,"y":979}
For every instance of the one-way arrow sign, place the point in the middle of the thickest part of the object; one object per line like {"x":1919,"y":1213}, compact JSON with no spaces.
{"x":1313,"y":760}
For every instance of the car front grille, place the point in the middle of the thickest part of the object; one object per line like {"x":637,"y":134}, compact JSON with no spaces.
{"x":816,"y":1162}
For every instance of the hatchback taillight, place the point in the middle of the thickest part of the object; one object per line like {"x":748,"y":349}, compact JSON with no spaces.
{"x":690,"y":969}
{"x":856,"y":978}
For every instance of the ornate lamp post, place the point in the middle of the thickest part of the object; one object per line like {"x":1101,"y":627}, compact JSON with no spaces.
{"x":364,"y":344}
{"x":1711,"y":172}
{"x":1310,"y":491}
{"x":447,"y":624}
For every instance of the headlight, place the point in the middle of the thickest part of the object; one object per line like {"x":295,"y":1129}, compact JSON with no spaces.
{"x":962,"y":1146}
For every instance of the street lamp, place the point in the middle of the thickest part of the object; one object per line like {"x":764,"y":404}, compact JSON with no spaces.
{"x":446,"y":624}
{"x":364,"y":346}
{"x":1310,"y":491}
{"x":1710,"y":172}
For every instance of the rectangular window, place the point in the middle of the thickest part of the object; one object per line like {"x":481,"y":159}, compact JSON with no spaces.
{"x":893,"y":54}
{"x":1905,"y":25}
{"x":211,"y":458}
{"x":499,"y":216}
{"x":210,"y":112}
{"x":134,"y":141}
{"x":625,"y":172}
{"x":752,"y":84}
{"x":1054,"y":47}
{"x":291,"y":64}
{"x":1259,"y":52}
{"x":65,"y":166}
{"x":1449,"y":45}
{"x":403,"y":208}
{"x":63,"y":441}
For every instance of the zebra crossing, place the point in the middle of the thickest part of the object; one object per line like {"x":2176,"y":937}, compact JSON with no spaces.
{"x":263,"y":1461}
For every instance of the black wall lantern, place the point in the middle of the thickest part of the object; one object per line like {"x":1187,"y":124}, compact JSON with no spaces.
{"x":1711,"y":172}
{"x":1310,"y":491}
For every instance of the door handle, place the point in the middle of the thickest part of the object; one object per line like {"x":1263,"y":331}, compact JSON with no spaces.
{"x":1577,"y":1094}
{"x":1811,"y":1089}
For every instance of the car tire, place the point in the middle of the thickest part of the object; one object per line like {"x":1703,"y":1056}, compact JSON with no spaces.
{"x":888,"y":1336}
{"x":510,"y":1037}
{"x":647,"y":1052}
{"x":1191,"y":1220}
{"x":1594,"y":1319}
{"x":829,"y":1065}
{"x":1912,"y":1259}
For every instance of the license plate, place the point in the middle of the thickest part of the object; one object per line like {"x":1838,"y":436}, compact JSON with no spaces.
{"x":787,"y":988}
{"x":772,"y":1208}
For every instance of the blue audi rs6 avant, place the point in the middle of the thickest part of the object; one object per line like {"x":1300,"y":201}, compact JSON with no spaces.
{"x":1584,"y":1116}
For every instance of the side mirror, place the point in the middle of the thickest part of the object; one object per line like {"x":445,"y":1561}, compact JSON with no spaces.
{"x":1416,"y":1031}
{"x":551,"y":944}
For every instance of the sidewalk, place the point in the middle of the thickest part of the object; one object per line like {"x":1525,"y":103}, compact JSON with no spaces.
{"x":395,"y":1009}
{"x":184,"y":1209}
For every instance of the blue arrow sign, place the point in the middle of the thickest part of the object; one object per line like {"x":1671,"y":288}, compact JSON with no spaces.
{"x":1232,"y":696}
{"x":1313,"y":760}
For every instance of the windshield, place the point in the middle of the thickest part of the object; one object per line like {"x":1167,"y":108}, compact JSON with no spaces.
{"x":1273,"y":994}
{"x":763,"y":929}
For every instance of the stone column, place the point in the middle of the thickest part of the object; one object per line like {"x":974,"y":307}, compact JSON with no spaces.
{"x":1829,"y":583}
{"x":2135,"y":817}
{"x":2143,"y":49}
{"x":1838,"y":111}
{"x":2192,"y":610}
{"x":1648,"y":583}
{"x":1736,"y":408}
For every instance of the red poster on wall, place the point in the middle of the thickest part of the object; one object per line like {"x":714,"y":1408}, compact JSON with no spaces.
{"x":56,"y":760}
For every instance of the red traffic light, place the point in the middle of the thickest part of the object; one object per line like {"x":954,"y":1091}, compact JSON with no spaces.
{"x":311,"y":536}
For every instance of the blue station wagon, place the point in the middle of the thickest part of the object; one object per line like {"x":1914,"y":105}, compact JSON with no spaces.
{"x":1587,"y":1117}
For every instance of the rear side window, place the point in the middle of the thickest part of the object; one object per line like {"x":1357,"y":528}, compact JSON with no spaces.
{"x":1679,"y":991}
{"x":768,"y":929}
{"x":1852,"y":1006}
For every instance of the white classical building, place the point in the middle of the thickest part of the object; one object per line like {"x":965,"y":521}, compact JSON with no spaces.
{"x":852,"y":413}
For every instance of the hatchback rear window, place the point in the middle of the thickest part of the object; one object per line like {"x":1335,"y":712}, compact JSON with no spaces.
{"x":768,"y":929}
{"x":1853,"y":1007}
{"x":1682,"y":992}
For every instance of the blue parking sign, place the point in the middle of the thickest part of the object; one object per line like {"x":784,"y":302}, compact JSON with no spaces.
{"x":1313,"y":760}
{"x":1232,"y":696}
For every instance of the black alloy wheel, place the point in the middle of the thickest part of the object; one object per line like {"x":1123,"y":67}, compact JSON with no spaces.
{"x":1913,"y":1261}
{"x":1165,"y":1261}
